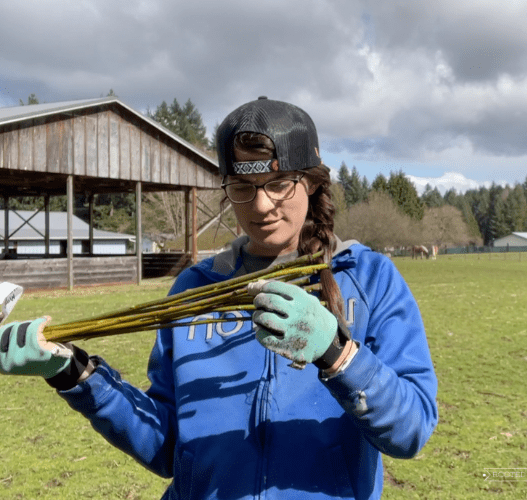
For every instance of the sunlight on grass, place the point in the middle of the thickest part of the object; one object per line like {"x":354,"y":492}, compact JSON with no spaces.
{"x":475,"y":313}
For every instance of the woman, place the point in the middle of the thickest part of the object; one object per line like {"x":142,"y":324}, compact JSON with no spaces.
{"x":227,"y":415}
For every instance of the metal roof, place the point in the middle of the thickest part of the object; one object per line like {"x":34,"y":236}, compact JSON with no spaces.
{"x":58,"y":227}
{"x":18,"y":114}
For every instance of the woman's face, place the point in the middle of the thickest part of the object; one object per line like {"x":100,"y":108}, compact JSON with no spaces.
{"x":273,"y":226}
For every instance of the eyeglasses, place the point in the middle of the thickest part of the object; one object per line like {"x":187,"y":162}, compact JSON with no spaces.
{"x":277,"y":190}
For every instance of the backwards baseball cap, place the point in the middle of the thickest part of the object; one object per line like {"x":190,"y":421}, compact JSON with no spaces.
{"x":290,"y":128}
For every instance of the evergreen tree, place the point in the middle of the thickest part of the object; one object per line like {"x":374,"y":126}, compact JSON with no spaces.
{"x":469,"y":218}
{"x":516,"y":209}
{"x":32,"y":99}
{"x":355,"y":190}
{"x":214,"y":135}
{"x":404,"y":193}
{"x":451,"y":197}
{"x":344,"y":179}
{"x":497,"y":225}
{"x":380,"y":184}
{"x":358,"y":191}
{"x":365,"y":188}
{"x":185,"y":121}
{"x":432,"y":197}
{"x":479,"y":201}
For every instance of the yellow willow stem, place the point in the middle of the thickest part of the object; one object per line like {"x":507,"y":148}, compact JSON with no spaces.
{"x":223,"y":296}
{"x":213,"y":287}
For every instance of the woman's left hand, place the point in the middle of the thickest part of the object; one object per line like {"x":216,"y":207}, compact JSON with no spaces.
{"x":293,"y":323}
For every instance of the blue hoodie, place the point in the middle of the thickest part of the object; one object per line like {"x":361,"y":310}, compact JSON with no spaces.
{"x":228,"y":419}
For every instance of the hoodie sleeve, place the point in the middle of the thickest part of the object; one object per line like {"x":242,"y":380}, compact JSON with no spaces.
{"x":141,"y":424}
{"x":390,"y":386}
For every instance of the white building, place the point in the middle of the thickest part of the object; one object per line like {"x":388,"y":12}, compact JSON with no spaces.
{"x":512,"y":240}
{"x":27,"y":230}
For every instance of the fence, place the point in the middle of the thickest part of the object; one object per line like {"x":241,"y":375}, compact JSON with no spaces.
{"x":466,"y":250}
{"x":473,"y":249}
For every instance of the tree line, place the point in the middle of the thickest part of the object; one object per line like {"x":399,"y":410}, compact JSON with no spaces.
{"x":389,"y":212}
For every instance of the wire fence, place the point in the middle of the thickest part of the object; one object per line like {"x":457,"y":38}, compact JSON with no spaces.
{"x":479,"y":251}
{"x":483,"y":249}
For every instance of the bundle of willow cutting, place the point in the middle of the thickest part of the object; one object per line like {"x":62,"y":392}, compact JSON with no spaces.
{"x":222,"y":297}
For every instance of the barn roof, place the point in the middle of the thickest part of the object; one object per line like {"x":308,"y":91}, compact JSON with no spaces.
{"x":520,"y":235}
{"x":17,"y":114}
{"x":108,"y":147}
{"x":58,"y":230}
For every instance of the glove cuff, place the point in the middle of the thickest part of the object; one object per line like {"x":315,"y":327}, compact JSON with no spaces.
{"x":68,"y":378}
{"x":329,"y":358}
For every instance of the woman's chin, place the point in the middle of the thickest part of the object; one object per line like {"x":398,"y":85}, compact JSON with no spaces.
{"x":270,"y":245}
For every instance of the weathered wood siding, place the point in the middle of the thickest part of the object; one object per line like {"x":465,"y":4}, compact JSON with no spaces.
{"x":103,"y":144}
{"x":53,"y":273}
{"x":156,"y":265}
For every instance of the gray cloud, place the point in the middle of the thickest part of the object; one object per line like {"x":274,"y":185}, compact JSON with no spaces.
{"x":399,"y":79}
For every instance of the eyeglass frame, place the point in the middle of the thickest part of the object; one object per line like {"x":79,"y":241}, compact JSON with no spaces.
{"x":262,"y":186}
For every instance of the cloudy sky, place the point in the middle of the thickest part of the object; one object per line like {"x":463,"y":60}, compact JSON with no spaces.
{"x":426,"y":87}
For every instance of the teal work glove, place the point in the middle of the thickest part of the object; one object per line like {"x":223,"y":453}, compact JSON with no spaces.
{"x":292,"y":322}
{"x":25,"y":351}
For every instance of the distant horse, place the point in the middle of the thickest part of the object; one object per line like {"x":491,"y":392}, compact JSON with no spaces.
{"x":421,"y":250}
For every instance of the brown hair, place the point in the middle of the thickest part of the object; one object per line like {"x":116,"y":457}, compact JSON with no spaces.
{"x":317,"y":231}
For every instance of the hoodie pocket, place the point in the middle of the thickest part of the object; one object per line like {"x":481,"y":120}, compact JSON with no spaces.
{"x":337,"y":461}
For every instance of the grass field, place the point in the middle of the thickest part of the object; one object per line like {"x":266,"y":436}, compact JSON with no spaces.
{"x":475,"y":312}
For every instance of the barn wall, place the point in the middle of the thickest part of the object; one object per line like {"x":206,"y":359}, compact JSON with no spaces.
{"x":35,"y":247}
{"x":103,"y":144}
{"x":53,"y":273}
{"x":512,"y":240}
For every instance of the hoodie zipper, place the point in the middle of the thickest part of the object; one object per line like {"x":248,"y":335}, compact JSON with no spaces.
{"x":261,"y":419}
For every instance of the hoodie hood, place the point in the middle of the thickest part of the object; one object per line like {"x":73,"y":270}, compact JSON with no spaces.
{"x":229,"y":263}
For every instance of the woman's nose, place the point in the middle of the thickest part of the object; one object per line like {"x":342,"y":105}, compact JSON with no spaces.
{"x":262,"y":203}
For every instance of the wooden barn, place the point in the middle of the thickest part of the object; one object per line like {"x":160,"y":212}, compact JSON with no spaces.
{"x":91,"y":147}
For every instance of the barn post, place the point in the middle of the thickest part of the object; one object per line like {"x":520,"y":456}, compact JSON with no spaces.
{"x":191,"y":224}
{"x":188,"y":242}
{"x":6,"y":224}
{"x":194,"y":225}
{"x":90,"y":208}
{"x":71,"y":195}
{"x":46,"y":225}
{"x":138,"y":232}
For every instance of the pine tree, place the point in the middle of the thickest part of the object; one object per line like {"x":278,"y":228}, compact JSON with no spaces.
{"x":380,"y":184}
{"x":432,"y":197}
{"x":404,"y":193}
{"x":497,"y":226}
{"x":516,"y":209}
{"x":186,"y":121}
{"x":32,"y":99}
{"x":451,"y":197}
{"x":355,"y":190}
{"x":479,"y":202}
{"x":344,"y":179}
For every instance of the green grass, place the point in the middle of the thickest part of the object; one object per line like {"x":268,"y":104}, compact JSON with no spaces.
{"x":475,"y":312}
{"x":49,"y":451}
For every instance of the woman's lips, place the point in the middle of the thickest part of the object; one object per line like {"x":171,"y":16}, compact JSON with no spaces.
{"x":266,"y":224}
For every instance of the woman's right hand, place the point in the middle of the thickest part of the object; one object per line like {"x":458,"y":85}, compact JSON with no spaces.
{"x":25,"y":351}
